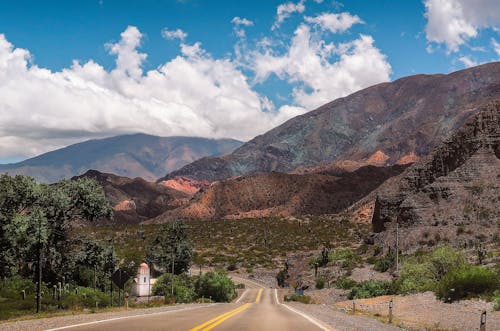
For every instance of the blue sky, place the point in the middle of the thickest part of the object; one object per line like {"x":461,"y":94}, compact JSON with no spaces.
{"x":216,"y":76}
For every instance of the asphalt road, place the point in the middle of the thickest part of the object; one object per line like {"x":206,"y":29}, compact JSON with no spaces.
{"x":257,"y":309}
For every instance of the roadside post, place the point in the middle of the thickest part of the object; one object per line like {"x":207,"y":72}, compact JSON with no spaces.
{"x":354,"y":306}
{"x":54,"y":293}
{"x":391,"y":305}
{"x":23,"y":294}
{"x":482,"y":326}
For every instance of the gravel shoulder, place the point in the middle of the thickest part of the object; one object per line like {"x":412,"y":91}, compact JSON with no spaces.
{"x":55,"y":322}
{"x":424,"y":312}
{"x":342,"y":321}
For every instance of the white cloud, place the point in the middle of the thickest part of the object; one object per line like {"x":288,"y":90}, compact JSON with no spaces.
{"x":192,"y":94}
{"x":323,"y":71}
{"x":174,"y":34}
{"x":496,"y":46}
{"x":467,"y":61}
{"x":285,"y":10}
{"x":454,"y":22}
{"x":238,"y":22}
{"x":334,"y":22}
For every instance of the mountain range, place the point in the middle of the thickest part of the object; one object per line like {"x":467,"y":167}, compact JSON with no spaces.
{"x":386,"y":124}
{"x":136,"y":155}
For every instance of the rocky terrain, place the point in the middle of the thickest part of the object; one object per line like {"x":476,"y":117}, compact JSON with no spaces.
{"x":450,"y":195}
{"x":280,"y":194}
{"x":135,"y":200}
{"x":390,"y":123}
{"x":137,"y":155}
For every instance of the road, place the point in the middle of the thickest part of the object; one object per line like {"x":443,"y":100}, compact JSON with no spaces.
{"x":256,"y":309}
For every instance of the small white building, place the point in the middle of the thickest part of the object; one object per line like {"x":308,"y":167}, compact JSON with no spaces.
{"x":143,"y":283}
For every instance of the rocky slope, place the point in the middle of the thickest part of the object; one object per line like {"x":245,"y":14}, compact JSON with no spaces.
{"x":452,"y":195}
{"x":280,"y":194}
{"x":136,"y":155}
{"x":389,"y":123}
{"x":135,"y":200}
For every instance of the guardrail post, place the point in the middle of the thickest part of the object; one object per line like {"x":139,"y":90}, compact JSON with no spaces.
{"x":391,"y":305}
{"x":482,"y":326}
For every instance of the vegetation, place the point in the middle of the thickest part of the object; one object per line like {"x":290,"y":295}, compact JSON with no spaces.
{"x":298,"y":298}
{"x":171,"y":248}
{"x":369,"y":289}
{"x":320,"y":283}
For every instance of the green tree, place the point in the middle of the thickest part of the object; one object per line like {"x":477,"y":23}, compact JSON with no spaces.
{"x":216,"y":285}
{"x":172,"y":246}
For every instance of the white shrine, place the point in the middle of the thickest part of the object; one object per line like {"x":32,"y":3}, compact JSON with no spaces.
{"x":143,"y":283}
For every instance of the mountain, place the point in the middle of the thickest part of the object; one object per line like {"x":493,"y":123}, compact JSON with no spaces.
{"x":451,"y":195}
{"x":281,"y":194}
{"x":389,"y":123}
{"x":135,"y":200}
{"x":137,"y":155}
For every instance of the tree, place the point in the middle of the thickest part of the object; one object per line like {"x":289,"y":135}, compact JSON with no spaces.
{"x":37,"y":218}
{"x":172,"y":246}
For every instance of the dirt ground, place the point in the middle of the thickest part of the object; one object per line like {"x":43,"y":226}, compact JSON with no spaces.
{"x":424,"y":312}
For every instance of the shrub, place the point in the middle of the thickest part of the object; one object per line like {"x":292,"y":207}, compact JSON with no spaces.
{"x":444,"y":259}
{"x":385,"y":263}
{"x":467,"y":282}
{"x":298,"y":298}
{"x":345,"y":283}
{"x":281,"y":277}
{"x":216,"y":285}
{"x":415,"y":277}
{"x":320,"y":283}
{"x":496,"y":300}
{"x":86,"y":298}
{"x":369,"y":289}
{"x":183,"y":288}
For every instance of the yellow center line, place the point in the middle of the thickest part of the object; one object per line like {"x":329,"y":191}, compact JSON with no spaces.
{"x":258,"y":296}
{"x":208,"y":325}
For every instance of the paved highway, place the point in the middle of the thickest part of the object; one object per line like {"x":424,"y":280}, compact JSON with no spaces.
{"x":257,"y":309}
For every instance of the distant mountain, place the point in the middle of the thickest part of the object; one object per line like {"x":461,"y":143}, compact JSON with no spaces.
{"x":136,"y":200}
{"x":280,"y":194}
{"x":389,"y":123}
{"x":451,"y":195}
{"x":137,"y":155}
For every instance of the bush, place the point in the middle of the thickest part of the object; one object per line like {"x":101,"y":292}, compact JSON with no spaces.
{"x":281,"y":278}
{"x":369,"y":289}
{"x":86,"y":298}
{"x":467,"y":282}
{"x":298,"y":298}
{"x":216,"y":285}
{"x":320,"y":283}
{"x":496,"y":300}
{"x":385,"y":263}
{"x":183,"y":288}
{"x":415,"y":277}
{"x":345,"y":283}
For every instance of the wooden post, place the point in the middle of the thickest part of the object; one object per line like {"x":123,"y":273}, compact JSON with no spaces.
{"x":354,"y":306}
{"x":391,"y":304}
{"x":482,"y":326}
{"x":23,"y":294}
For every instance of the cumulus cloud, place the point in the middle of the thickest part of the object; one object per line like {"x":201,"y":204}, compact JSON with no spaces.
{"x":334,"y":22}
{"x":285,"y":10}
{"x":192,"y":94}
{"x":174,"y":34}
{"x":323,"y":71}
{"x":454,"y":22}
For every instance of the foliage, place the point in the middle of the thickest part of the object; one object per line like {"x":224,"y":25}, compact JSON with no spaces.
{"x":215,"y":285}
{"x":415,"y":277}
{"x":184,"y":291}
{"x":320,"y":283}
{"x":281,"y":277}
{"x":467,"y":281}
{"x":369,"y":289}
{"x":298,"y":298}
{"x":172,"y":242}
{"x":496,"y":300}
{"x":385,"y":263}
{"x":345,"y":283}
{"x":36,"y":216}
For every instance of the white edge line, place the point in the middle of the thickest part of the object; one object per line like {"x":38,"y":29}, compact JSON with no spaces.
{"x":127,"y":317}
{"x":307,"y":317}
{"x":241,"y":297}
{"x":250,"y":281}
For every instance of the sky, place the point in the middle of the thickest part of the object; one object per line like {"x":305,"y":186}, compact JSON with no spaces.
{"x":77,"y":70}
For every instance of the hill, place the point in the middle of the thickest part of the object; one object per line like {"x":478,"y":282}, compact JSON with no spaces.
{"x":386,"y":124}
{"x":279,"y":194}
{"x":135,"y":200}
{"x":452,"y":195}
{"x":137,"y":155}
